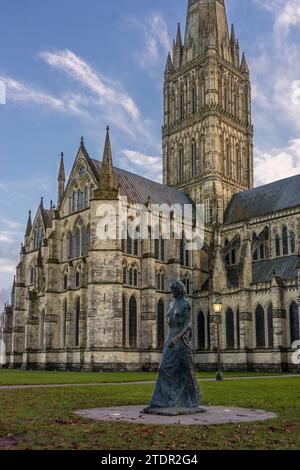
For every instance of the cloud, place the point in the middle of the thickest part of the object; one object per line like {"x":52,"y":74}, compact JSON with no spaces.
{"x":11,"y":234}
{"x":100,"y":85}
{"x":6,"y":266}
{"x":278,"y":163}
{"x":103,"y":94}
{"x":18,"y":91}
{"x":5,"y":237}
{"x":156,"y":42}
{"x":150,"y":166}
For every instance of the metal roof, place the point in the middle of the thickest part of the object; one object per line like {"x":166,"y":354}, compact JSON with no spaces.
{"x":284,"y":268}
{"x":264,"y":200}
{"x":138,"y":189}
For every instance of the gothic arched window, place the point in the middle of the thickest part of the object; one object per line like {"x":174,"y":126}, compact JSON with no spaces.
{"x":86,"y":197}
{"x":187,"y":283}
{"x":260,"y":327}
{"x":84,"y":241}
{"x":70,"y":246}
{"x":238,"y":329}
{"x":182,"y":105}
{"x":129,"y":245}
{"x":32,"y":274}
{"x":194,"y":159}
{"x":132,"y":322}
{"x":77,"y":279}
{"x":77,"y":322}
{"x":74,"y":202}
{"x":77,"y":243}
{"x":65,"y":281}
{"x":124,"y":268}
{"x":130,"y":272}
{"x":136,"y":247}
{"x":294,"y":322}
{"x":160,"y":324}
{"x":79,"y":200}
{"x":124,"y":320}
{"x":135,"y":277}
{"x":160,"y":281}
{"x":156,"y":249}
{"x":194,"y":100}
{"x":229,"y":329}
{"x":64,"y":331}
{"x":285,"y":241}
{"x":229,"y":159}
{"x":278,"y":247}
{"x":293,"y":243}
{"x":181,"y":163}
{"x":270,"y":326}
{"x":201,"y":330}
{"x":208,"y":329}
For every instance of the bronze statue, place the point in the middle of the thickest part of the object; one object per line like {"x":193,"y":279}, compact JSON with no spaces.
{"x":177,"y":390}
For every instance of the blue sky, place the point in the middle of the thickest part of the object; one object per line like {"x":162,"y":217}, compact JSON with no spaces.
{"x":73,"y":66}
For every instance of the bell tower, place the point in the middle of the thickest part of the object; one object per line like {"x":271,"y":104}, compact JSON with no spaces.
{"x":207,"y":131}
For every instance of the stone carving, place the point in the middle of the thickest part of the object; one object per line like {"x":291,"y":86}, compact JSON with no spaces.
{"x":177,"y":390}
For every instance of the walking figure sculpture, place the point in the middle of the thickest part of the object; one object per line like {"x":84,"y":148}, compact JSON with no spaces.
{"x":177,"y":391}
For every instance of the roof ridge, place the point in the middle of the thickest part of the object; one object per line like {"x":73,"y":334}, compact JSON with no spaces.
{"x":270,"y":184}
{"x":140,"y":176}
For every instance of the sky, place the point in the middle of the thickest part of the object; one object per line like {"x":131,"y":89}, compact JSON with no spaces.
{"x":73,"y":66}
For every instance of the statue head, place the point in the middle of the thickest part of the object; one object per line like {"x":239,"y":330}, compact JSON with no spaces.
{"x":178,"y":289}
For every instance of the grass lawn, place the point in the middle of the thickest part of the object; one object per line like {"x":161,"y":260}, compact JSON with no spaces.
{"x":43,"y":418}
{"x":17,"y":377}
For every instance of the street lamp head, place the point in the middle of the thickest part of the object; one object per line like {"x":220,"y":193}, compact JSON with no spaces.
{"x":217,"y":304}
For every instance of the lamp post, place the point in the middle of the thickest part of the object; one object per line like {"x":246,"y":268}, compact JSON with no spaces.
{"x":217,"y":306}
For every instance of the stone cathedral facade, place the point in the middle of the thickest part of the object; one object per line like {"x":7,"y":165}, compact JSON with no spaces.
{"x":81,"y":303}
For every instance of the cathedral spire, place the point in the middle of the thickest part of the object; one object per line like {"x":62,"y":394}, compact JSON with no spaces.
{"x":169,"y":65}
{"x":61,"y":173}
{"x":61,"y":180}
{"x":29,"y":225}
{"x":232,"y":36}
{"x":234,"y":47}
{"x":244,"y":64}
{"x":177,"y":48}
{"x":178,"y":42}
{"x":108,"y":188}
{"x":204,"y":16}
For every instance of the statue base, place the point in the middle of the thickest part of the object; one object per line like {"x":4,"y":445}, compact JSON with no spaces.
{"x":173,"y":411}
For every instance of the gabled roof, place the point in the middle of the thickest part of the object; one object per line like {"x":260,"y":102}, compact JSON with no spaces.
{"x":264,"y":200}
{"x":138,"y":189}
{"x":283,"y":268}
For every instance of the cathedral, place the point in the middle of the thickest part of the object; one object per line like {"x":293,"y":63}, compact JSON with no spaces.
{"x":81,"y":303}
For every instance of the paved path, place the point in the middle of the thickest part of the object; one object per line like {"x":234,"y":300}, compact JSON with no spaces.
{"x":211,"y":415}
{"x":149,"y":382}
